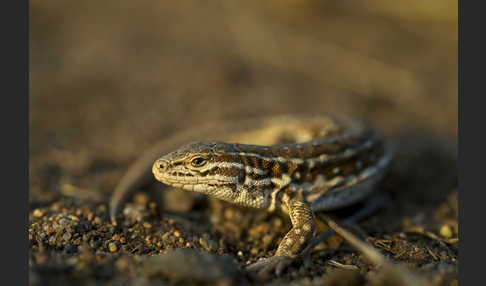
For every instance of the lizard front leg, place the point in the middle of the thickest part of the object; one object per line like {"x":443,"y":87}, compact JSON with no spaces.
{"x":303,"y":228}
{"x":296,"y":241}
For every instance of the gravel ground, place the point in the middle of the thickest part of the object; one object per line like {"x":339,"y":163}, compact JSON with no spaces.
{"x":109,"y":79}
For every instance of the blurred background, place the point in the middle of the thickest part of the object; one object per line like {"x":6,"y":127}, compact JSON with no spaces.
{"x":112,"y":77}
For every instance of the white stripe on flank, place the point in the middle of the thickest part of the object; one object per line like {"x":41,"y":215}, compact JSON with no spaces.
{"x":342,"y":183}
{"x":255,"y":170}
{"x":273,"y":198}
{"x":284,"y":181}
{"x":280,"y":184}
{"x":322,"y":158}
{"x":336,"y":181}
{"x":263,"y":182}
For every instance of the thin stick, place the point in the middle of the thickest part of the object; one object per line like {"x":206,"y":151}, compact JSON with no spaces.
{"x":395,"y":272}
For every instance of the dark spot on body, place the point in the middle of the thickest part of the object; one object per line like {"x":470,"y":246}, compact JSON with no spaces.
{"x":276,"y":170}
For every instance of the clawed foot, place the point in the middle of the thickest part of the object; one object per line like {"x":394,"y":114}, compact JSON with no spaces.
{"x":266,"y":266}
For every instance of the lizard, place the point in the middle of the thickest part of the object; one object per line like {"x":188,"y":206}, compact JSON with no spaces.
{"x":304,"y":164}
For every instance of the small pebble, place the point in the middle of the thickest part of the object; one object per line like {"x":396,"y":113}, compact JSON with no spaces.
{"x":112,"y":247}
{"x":74,"y":218}
{"x":267,"y":239}
{"x":52,"y":240}
{"x":208,"y":244}
{"x":66,"y":236}
{"x":102,"y":208}
{"x":147,"y":225}
{"x":152,"y":206}
{"x":165,"y":236}
{"x":37,"y":213}
{"x":94,"y":244}
{"x":445,"y":231}
{"x":141,"y":199}
{"x":228,"y":213}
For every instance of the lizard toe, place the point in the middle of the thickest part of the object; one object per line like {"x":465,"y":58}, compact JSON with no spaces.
{"x":265,"y":267}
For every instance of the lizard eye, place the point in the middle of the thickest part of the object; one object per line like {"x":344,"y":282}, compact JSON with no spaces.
{"x":198,"y":162}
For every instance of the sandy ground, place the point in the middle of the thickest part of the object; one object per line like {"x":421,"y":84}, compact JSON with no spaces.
{"x":111,"y":78}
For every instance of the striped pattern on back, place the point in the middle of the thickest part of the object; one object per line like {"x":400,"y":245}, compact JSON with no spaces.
{"x":262,"y":176}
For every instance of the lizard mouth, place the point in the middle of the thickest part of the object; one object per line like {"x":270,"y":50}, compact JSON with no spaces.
{"x":191,"y":182}
{"x":179,"y":178}
{"x":188,"y":179}
{"x":175,"y":177}
{"x":163,"y":173}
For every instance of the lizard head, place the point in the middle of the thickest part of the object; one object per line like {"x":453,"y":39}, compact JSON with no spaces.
{"x":205,"y":167}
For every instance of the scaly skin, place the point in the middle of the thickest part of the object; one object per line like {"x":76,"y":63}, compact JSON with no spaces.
{"x":326,"y":163}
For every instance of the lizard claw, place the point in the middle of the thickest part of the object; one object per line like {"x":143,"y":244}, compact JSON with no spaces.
{"x":266,"y":266}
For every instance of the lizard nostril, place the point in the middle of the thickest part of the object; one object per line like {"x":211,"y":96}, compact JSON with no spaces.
{"x":162,"y":165}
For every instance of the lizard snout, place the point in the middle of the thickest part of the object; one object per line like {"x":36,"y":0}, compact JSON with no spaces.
{"x":160,"y":166}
